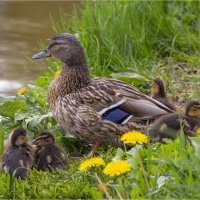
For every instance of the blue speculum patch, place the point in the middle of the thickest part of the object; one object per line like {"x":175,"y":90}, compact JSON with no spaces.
{"x":116,"y":115}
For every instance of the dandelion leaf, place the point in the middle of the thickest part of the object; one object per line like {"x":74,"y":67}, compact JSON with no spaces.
{"x":9,"y":108}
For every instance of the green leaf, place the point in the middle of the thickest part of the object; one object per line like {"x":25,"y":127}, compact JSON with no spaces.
{"x":9,"y":98}
{"x":118,"y":154}
{"x":129,"y":77}
{"x":34,"y":121}
{"x":161,"y":181}
{"x":196,"y":144}
{"x":9,"y":108}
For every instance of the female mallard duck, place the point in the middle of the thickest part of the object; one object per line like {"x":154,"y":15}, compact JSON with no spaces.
{"x":96,"y":110}
{"x":48,"y":154}
{"x":158,"y":92}
{"x":168,"y":126}
{"x":18,"y":156}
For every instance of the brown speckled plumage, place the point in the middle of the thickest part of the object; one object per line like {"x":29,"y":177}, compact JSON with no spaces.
{"x":48,"y":154}
{"x":81,"y":104}
{"x":18,"y":156}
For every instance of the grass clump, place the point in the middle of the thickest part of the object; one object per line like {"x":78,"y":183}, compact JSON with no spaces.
{"x":135,"y":41}
{"x":171,"y":170}
{"x":128,"y":35}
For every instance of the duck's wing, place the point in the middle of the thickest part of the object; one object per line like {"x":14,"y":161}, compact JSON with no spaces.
{"x":115,"y":100}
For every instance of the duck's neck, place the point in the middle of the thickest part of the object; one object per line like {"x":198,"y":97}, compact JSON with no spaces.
{"x":71,"y":79}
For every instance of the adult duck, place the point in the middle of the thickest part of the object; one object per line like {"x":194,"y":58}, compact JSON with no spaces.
{"x":98,"y":110}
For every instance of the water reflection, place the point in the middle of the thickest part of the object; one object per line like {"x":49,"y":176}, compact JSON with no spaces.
{"x":23,"y":24}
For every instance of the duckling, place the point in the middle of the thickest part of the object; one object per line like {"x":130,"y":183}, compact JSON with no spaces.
{"x":158,"y":92}
{"x":98,"y":110}
{"x":168,"y":126}
{"x":48,"y":154}
{"x":18,"y":155}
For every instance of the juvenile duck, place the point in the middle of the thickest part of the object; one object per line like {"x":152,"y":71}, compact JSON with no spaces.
{"x":158,"y":92}
{"x":48,"y":154}
{"x":98,"y":110}
{"x":168,"y":126}
{"x":18,"y":156}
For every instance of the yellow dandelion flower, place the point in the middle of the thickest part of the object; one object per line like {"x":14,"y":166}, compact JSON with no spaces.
{"x":134,"y":137}
{"x":198,"y":131}
{"x":21,"y":91}
{"x":57,"y":73}
{"x":92,"y":162}
{"x":117,"y":168}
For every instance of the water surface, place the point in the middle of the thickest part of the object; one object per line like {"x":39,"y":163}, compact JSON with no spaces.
{"x":22,"y":25}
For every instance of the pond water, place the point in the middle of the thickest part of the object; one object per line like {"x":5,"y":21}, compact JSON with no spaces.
{"x":22,"y":25}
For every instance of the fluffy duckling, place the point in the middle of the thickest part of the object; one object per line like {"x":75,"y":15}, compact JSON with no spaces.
{"x":18,"y":155}
{"x":158,"y":92}
{"x":168,"y":126}
{"x":48,"y":154}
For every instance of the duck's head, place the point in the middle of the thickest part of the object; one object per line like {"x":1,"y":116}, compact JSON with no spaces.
{"x":193,"y":109}
{"x":44,"y":138}
{"x":158,"y":88}
{"x":18,"y":137}
{"x":65,"y":47}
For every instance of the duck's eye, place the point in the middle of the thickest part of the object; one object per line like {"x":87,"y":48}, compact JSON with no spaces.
{"x":53,"y":44}
{"x":47,"y":140}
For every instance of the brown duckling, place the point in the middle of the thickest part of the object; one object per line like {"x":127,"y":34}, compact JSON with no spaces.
{"x":168,"y":126}
{"x":18,"y":155}
{"x":48,"y":154}
{"x":158,"y":92}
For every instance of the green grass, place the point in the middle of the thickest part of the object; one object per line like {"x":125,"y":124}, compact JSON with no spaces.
{"x":118,"y":34}
{"x":175,"y":161}
{"x":135,"y":41}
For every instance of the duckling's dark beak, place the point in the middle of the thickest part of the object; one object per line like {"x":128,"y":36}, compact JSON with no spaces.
{"x":33,"y":142}
{"x":42,"y":54}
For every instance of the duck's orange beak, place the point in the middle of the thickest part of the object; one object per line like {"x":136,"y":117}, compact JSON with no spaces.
{"x":42,"y":54}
